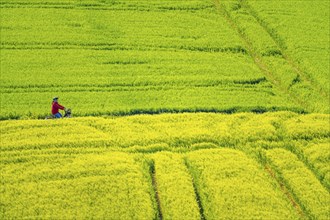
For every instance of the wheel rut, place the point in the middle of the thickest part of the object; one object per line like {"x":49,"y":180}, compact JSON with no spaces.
{"x":197,"y":196}
{"x":155,"y":189}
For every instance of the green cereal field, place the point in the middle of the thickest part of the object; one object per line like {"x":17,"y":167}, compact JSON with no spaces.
{"x":181,"y":109}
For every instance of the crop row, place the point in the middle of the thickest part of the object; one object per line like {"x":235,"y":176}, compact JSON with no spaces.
{"x":319,"y":155}
{"x":186,"y":99}
{"x":177,"y":132}
{"x":61,"y":68}
{"x":110,"y":5}
{"x":175,"y":189}
{"x":140,"y":29}
{"x":229,"y":180}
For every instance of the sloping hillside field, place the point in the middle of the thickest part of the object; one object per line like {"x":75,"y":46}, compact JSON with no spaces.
{"x":182,"y":109}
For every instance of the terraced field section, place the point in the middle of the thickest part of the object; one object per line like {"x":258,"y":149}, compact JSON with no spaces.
{"x":170,"y":166}
{"x":124,"y":57}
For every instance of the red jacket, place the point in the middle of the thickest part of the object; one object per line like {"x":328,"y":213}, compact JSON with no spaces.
{"x":56,"y":107}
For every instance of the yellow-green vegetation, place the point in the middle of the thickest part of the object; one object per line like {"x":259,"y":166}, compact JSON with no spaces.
{"x":173,"y":166}
{"x":179,"y":131}
{"x":57,"y":186}
{"x":175,"y":188}
{"x":248,"y":81}
{"x":122,"y":57}
{"x":309,"y":192}
{"x":289,"y":41}
{"x":231,"y":185}
{"x":319,"y":156}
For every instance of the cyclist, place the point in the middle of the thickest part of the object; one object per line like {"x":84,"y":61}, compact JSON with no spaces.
{"x":56,"y":107}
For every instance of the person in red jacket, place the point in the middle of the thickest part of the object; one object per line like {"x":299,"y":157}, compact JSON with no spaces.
{"x":56,"y":107}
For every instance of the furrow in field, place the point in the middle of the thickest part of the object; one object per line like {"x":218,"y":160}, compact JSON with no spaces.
{"x":219,"y":86}
{"x":167,"y":84}
{"x":316,"y":157}
{"x":260,"y":157}
{"x":117,"y":47}
{"x":317,"y":163}
{"x":113,"y":5}
{"x":196,"y":193}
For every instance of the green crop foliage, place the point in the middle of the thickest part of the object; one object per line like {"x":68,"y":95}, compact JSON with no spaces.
{"x":283,"y":45}
{"x":302,"y":22}
{"x":154,"y":56}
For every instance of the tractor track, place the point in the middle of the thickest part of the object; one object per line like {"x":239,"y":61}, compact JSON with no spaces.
{"x":286,"y":192}
{"x":257,"y":58}
{"x":279,"y":43}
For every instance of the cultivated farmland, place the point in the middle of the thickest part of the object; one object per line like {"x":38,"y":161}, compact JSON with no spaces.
{"x":174,"y":166}
{"x":158,"y":56}
{"x":195,"y":109}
